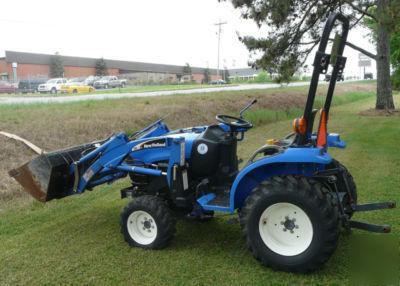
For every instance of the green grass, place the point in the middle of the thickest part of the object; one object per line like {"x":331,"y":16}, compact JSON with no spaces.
{"x":262,"y":116}
{"x":76,"y":240}
{"x":155,"y":88}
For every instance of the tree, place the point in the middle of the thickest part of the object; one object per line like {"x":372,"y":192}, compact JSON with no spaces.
{"x":395,"y":59}
{"x":206,"y":74}
{"x":226,"y":75}
{"x":101,"y":67}
{"x":56,"y":66}
{"x":296,"y":29}
{"x":187,"y":69}
{"x":394,"y":47}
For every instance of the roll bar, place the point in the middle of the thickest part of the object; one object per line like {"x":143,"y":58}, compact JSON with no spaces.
{"x":321,"y":63}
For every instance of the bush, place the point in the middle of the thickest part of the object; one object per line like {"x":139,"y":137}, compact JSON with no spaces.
{"x":262,"y":77}
{"x":396,"y":79}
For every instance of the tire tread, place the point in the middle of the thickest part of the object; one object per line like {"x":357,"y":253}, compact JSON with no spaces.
{"x":160,"y":212}
{"x":314,"y":193}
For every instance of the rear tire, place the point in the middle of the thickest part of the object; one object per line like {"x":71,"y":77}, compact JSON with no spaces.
{"x":147,"y":222}
{"x":291,"y":224}
{"x":53,"y":91}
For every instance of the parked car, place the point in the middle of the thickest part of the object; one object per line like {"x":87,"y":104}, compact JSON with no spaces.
{"x":220,"y":81}
{"x":6,"y":87}
{"x":91,"y":79}
{"x":368,"y":75}
{"x":30,"y":85}
{"x":75,"y":87}
{"x":52,"y":85}
{"x":109,"y":81}
{"x":76,"y":79}
{"x":339,"y":78}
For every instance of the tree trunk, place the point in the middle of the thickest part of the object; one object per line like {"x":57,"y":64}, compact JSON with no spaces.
{"x":384,"y":99}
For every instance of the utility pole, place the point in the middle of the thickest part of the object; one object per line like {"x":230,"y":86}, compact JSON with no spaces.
{"x":219,"y":24}
{"x":223,"y":71}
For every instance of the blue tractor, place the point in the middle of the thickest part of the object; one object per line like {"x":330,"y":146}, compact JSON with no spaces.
{"x":291,"y":196}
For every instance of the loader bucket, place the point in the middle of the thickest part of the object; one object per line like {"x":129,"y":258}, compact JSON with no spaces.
{"x":49,"y":175}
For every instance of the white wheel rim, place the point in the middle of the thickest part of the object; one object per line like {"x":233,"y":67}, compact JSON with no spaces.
{"x":285,"y":229}
{"x":142,"y":227}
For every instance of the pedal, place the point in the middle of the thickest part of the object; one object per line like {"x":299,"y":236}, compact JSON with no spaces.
{"x":201,"y":185}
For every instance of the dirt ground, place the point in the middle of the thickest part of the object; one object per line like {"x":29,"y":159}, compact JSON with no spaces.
{"x":385,"y":112}
{"x":58,"y":126}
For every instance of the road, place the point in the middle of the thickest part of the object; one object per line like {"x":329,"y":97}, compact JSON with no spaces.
{"x":64,"y":99}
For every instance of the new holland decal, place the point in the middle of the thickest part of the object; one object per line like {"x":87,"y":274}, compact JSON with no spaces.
{"x":158,"y":143}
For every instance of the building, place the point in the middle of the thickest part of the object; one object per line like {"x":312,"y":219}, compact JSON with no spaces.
{"x":17,"y":65}
{"x":244,"y":73}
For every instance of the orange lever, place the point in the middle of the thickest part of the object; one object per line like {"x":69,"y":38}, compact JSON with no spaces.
{"x":321,"y":139}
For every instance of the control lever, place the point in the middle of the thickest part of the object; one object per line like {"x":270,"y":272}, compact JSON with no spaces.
{"x":247,"y":107}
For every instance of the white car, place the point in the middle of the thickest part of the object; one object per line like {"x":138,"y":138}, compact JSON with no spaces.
{"x":52,"y":85}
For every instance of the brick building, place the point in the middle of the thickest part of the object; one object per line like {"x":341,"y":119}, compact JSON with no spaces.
{"x":30,"y":65}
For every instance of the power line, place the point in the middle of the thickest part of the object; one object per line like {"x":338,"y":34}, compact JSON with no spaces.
{"x":219,"y":24}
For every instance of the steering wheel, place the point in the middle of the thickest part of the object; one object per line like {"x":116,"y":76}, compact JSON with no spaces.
{"x":234,"y":122}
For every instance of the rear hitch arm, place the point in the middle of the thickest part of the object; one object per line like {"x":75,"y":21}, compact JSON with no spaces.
{"x":384,"y":228}
{"x":330,"y":177}
{"x":375,"y":206}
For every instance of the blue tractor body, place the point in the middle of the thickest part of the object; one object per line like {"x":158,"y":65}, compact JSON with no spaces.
{"x":119,"y":156}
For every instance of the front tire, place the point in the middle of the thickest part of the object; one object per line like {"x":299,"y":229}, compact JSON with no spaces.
{"x":291,"y":224}
{"x":147,"y":222}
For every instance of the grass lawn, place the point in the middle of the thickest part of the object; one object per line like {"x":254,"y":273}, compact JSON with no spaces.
{"x":76,"y":240}
{"x":159,"y":88}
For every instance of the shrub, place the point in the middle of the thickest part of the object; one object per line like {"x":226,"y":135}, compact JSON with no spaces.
{"x":396,"y":79}
{"x":262,"y":77}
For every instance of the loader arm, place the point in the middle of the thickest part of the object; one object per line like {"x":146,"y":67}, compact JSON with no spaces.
{"x":115,"y":151}
{"x":67,"y":172}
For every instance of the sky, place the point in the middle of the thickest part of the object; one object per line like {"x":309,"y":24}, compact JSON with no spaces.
{"x":156,"y":31}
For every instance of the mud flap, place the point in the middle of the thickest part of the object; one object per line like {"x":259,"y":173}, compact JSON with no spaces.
{"x":49,"y":175}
